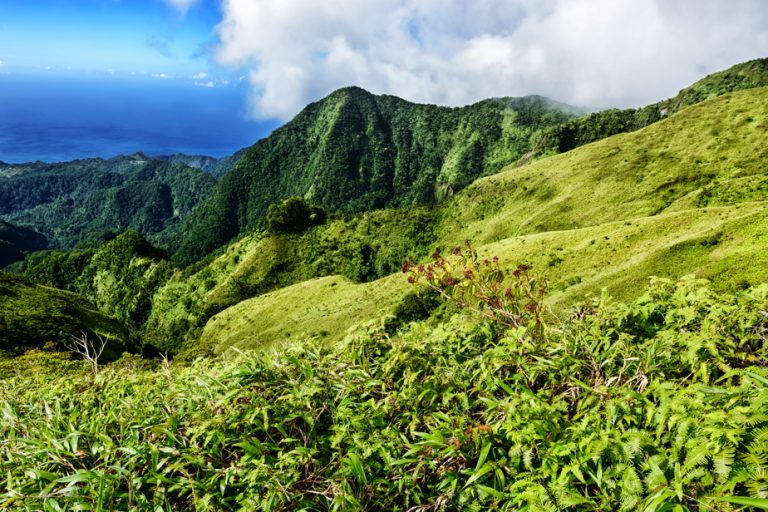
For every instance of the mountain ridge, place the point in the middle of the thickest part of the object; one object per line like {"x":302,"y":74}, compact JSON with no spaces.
{"x":84,"y":201}
{"x":354,"y":151}
{"x":599,"y":125}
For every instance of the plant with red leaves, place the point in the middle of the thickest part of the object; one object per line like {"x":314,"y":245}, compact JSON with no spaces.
{"x":481,"y":286}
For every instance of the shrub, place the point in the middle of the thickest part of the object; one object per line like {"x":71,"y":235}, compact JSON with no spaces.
{"x":481,"y":287}
{"x":293,"y":215}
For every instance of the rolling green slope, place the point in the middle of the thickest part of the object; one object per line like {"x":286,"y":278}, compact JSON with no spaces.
{"x":320,"y":308}
{"x":31,"y":315}
{"x":686,"y":195}
{"x":353,"y":152}
{"x":597,"y":126}
{"x":712,"y":154}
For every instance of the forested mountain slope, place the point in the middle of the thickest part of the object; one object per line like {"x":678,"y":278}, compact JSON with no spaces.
{"x":354,"y":151}
{"x":86,"y":200}
{"x":32,"y":315}
{"x":16,"y":241}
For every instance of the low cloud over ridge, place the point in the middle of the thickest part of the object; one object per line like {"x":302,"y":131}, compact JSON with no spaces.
{"x":587,"y":52}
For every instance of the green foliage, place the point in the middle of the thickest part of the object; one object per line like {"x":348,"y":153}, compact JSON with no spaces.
{"x":354,"y":152}
{"x":72,"y":203}
{"x":32,"y":315}
{"x":658,"y":404}
{"x":120,"y":278}
{"x":58,"y":269}
{"x":600,"y":125}
{"x":413,"y":307}
{"x":482,"y":287}
{"x":293,"y":215}
{"x":15,"y":242}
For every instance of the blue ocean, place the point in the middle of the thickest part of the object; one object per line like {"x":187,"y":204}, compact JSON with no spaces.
{"x":55,"y":119}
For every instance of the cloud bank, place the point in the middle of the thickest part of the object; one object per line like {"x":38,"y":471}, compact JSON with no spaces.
{"x":598,"y":53}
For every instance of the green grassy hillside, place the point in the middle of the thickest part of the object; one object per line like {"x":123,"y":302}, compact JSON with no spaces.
{"x":686,"y":195}
{"x":32,"y":315}
{"x":709,"y":155}
{"x":353,"y":152}
{"x":597,"y":126}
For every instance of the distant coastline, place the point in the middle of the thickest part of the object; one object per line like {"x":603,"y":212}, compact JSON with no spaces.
{"x":56,"y":119}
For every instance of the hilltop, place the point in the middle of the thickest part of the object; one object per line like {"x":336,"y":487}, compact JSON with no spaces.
{"x":354,"y":151}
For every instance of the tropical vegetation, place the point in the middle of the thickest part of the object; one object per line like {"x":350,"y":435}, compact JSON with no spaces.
{"x":388,"y":306}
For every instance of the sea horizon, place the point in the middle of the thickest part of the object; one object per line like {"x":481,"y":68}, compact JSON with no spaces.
{"x":62,"y":118}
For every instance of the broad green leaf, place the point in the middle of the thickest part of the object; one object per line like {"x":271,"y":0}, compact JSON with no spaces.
{"x":760,"y":503}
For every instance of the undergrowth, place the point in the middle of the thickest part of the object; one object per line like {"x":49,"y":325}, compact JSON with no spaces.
{"x":658,"y":404}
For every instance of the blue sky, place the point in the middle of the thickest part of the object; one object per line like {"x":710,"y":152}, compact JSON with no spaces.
{"x":216,"y":75}
{"x":117,"y":37}
{"x":106,"y":77}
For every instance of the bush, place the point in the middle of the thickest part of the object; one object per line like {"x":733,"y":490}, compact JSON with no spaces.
{"x":617,"y":408}
{"x":479,"y":286}
{"x":293,"y":215}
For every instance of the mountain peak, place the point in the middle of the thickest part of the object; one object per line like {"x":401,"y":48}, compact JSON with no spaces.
{"x":355,"y":151}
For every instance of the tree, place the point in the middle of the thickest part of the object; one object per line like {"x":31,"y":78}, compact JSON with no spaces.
{"x":293,"y":215}
{"x":87,"y":348}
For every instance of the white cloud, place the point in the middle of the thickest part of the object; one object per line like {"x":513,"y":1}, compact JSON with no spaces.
{"x":585,"y":52}
{"x":161,"y":76}
{"x":2,"y":63}
{"x":209,"y":84}
{"x":199,"y":76}
{"x":182,"y":6}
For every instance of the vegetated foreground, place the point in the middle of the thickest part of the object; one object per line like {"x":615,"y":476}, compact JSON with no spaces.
{"x":658,"y":404}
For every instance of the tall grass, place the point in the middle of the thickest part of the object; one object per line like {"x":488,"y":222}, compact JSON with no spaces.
{"x":659,"y":404}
